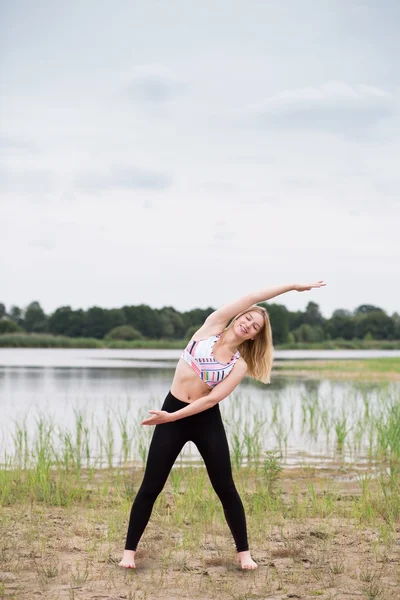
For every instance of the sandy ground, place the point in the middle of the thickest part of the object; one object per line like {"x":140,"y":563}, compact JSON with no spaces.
{"x":73,"y":553}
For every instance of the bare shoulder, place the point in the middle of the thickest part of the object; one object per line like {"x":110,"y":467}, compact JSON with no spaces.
{"x":242,"y":364}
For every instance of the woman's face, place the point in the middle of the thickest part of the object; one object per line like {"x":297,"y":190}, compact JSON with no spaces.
{"x":249,"y":325}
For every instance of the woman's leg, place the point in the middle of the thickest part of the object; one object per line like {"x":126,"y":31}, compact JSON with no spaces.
{"x":164,"y":449}
{"x":210,"y":438}
{"x":167,"y":441}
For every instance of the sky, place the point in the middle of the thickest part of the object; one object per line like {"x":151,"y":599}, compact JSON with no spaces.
{"x":188,"y":153}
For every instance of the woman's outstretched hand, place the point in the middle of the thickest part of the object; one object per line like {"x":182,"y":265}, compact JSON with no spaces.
{"x":159,"y":417}
{"x":299,"y":287}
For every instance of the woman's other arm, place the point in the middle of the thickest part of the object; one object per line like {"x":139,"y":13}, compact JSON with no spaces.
{"x":218,"y":393}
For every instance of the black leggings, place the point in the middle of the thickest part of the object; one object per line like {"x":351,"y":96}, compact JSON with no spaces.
{"x":207,"y":431}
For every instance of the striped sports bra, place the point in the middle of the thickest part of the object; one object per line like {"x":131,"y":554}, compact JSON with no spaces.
{"x":200,"y":357}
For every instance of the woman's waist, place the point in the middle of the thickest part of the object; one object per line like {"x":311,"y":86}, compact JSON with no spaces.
{"x":187,"y":386}
{"x":187,"y":393}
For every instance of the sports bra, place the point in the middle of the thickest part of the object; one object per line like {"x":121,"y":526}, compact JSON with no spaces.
{"x":200,"y":357}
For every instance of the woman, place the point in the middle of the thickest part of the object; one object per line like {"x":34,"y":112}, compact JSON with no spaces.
{"x":213,"y":364}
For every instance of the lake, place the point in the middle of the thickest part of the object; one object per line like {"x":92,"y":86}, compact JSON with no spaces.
{"x":110,"y":391}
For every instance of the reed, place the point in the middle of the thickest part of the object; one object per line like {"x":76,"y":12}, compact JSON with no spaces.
{"x":101,"y":464}
{"x":341,"y":429}
{"x":362,"y":426}
{"x":41,"y":340}
{"x":271,"y":469}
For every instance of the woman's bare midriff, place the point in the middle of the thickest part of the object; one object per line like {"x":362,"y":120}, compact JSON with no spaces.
{"x":186,"y":385}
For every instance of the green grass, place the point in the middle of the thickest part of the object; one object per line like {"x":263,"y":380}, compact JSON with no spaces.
{"x":376,"y":500}
{"x":340,"y":344}
{"x":380,"y":365}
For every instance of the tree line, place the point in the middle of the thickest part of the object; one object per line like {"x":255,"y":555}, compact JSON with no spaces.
{"x":366,"y":322}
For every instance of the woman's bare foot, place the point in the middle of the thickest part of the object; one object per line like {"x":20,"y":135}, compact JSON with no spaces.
{"x":246,"y":562}
{"x":128,"y":559}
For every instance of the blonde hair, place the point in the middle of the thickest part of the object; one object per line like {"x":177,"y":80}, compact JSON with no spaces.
{"x":258,"y":353}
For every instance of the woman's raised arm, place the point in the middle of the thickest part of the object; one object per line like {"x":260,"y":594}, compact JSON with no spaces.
{"x":222,"y":315}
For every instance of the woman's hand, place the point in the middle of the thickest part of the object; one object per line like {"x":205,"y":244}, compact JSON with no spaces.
{"x":159,"y":417}
{"x":308,"y":286}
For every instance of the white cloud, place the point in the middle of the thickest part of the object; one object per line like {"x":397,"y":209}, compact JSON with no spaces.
{"x":333,"y":106}
{"x":329,"y":92}
{"x":154,"y":84}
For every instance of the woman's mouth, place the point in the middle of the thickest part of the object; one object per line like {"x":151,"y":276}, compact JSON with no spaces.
{"x":243,"y":330}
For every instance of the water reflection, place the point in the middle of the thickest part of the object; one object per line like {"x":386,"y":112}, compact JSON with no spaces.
{"x":299,"y":418}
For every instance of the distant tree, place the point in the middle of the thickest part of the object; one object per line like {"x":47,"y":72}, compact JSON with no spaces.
{"x":116,"y":317}
{"x":279,"y":318}
{"x":65,"y":321}
{"x":341,"y":325}
{"x":124,"y":332}
{"x":291,"y":339}
{"x":378,"y":324}
{"x":396,"y":322}
{"x":172,"y":324}
{"x":313,"y":315}
{"x":144,"y":319}
{"x":166,"y":326}
{"x":96,"y":322}
{"x":35,"y":320}
{"x":8,"y":326}
{"x":341,"y":313}
{"x":191,"y":331}
{"x":367,"y":308}
{"x":196,"y":316}
{"x":16,"y":314}
{"x":309,"y":333}
{"x":295,"y":319}
{"x":2,"y":310}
